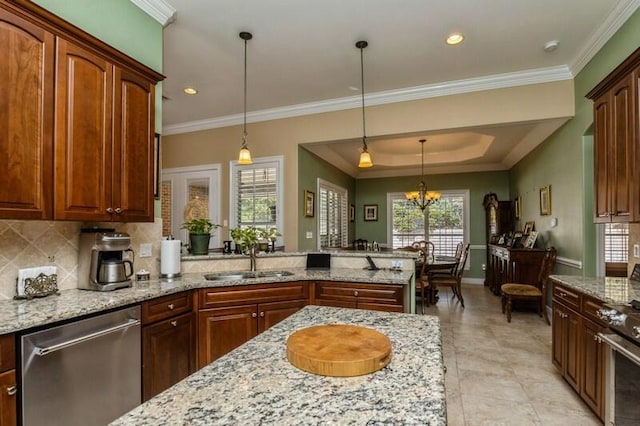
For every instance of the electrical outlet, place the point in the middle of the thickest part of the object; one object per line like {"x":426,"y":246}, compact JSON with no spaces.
{"x":145,"y":250}
{"x":636,"y":250}
{"x":309,"y":235}
{"x":484,"y":267}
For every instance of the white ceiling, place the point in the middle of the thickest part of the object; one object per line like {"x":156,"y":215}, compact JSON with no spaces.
{"x":303,"y":60}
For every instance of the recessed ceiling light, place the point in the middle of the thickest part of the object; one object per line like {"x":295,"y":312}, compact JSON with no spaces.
{"x":550,"y":46}
{"x":190,"y":91}
{"x":455,"y":38}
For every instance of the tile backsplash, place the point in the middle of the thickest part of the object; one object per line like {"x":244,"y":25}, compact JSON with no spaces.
{"x":25,"y":244}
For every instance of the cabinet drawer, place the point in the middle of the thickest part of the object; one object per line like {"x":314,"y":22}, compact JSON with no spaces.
{"x":570,"y":298}
{"x":260,"y":293}
{"x":590,"y":307}
{"x":7,"y":352}
{"x":363,"y":293}
{"x":166,"y":306}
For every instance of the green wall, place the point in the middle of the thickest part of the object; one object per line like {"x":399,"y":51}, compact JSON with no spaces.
{"x":311,"y":168}
{"x":565,"y":161}
{"x":374,"y":191}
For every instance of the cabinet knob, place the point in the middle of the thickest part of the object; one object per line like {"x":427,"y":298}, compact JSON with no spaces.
{"x":11,"y":390}
{"x":174,"y":323}
{"x":171,"y":306}
{"x":109,"y":210}
{"x":118,"y":210}
{"x":355,"y":293}
{"x":262,"y":314}
{"x":254,"y":315}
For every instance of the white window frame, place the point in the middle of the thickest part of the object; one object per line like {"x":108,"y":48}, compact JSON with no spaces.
{"x":465,"y":193}
{"x":260,"y":162}
{"x":344,"y":213}
{"x":177,"y":177}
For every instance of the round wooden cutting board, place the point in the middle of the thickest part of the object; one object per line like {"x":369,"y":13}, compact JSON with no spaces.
{"x":339,"y":350}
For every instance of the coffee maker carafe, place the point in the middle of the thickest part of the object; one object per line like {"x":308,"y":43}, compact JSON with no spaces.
{"x":102,"y":265}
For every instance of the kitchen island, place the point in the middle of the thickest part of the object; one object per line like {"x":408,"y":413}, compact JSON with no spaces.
{"x":255,"y":384}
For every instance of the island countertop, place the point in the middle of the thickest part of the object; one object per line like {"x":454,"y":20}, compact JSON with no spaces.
{"x":255,"y":384}
{"x":17,"y":315}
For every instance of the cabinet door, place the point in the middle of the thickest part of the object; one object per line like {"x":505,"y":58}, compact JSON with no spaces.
{"x":270,"y":314}
{"x":168,"y":353}
{"x":601,"y":140}
{"x":133,"y":147}
{"x":592,"y":362}
{"x":572,"y":370}
{"x":621,"y":150}
{"x":26,"y":119}
{"x":558,"y":332}
{"x":83,"y":126}
{"x":8,"y":401}
{"x":221,"y":330}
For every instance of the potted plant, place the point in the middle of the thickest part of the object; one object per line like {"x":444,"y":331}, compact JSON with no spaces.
{"x":250,"y":237}
{"x":268,"y":237}
{"x":199,"y":234}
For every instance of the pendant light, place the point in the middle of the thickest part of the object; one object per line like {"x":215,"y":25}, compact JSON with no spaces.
{"x":245,"y":154}
{"x":365,"y":157}
{"x":422,"y":198}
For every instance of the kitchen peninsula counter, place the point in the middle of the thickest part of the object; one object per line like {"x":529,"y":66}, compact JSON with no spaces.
{"x":255,"y":384}
{"x":17,"y":315}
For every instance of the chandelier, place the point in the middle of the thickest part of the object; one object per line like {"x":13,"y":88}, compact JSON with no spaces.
{"x":422,"y":198}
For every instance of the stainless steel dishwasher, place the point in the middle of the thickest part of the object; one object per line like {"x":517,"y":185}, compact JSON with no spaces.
{"x":86,"y":372}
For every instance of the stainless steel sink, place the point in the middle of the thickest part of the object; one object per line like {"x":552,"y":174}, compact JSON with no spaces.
{"x":245,"y":275}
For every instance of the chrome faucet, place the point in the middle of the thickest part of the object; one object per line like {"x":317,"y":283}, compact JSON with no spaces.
{"x":252,"y":256}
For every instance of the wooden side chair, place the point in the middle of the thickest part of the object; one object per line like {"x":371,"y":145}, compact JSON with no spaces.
{"x":527,"y":292}
{"x":454,"y":280}
{"x":427,"y":248}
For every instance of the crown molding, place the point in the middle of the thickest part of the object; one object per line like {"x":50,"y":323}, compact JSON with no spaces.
{"x":159,"y":10}
{"x":498,"y":81}
{"x":618,"y":16}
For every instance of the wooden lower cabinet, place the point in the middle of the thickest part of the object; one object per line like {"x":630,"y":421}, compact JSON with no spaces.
{"x":230,"y":316}
{"x":377,"y":297}
{"x":168,"y":353}
{"x":168,"y":342}
{"x":578,"y":353}
{"x":8,"y":384}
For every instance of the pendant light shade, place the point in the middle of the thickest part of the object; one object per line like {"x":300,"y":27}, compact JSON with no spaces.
{"x":365,"y":157}
{"x":422,"y":198}
{"x":245,"y":155}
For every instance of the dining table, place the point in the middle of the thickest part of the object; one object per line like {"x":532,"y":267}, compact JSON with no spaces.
{"x":434,"y":264}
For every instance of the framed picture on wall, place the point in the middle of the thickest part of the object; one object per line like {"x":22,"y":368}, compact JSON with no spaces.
{"x":545,"y":200}
{"x":309,"y":203}
{"x":370,"y":212}
{"x":352,"y":213}
{"x":517,"y":208}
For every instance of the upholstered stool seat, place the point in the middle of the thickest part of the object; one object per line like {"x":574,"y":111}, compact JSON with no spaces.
{"x":521,"y":290}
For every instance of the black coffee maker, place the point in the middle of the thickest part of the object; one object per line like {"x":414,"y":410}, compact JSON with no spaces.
{"x":102,"y":264}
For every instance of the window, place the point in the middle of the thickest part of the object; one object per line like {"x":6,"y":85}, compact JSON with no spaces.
{"x":447,"y":222}
{"x":332,"y":215}
{"x":616,"y":242}
{"x":256,"y":198}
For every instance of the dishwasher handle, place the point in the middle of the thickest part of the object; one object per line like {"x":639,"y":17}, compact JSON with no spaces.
{"x":45,"y":351}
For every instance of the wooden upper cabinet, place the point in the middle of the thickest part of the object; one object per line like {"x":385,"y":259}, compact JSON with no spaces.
{"x":26,"y":119}
{"x":133,"y":156}
{"x":76,"y":123}
{"x":616,"y":129}
{"x":83,"y":147}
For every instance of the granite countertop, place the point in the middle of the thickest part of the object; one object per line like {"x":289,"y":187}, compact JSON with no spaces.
{"x":608,"y":289}
{"x":335,"y":252}
{"x":16,"y":315}
{"x":255,"y":384}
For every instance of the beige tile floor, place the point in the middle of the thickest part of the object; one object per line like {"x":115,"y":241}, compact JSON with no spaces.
{"x":500,"y":373}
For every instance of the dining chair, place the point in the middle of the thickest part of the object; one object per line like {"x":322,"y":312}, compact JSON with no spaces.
{"x":454,"y":280}
{"x":427,"y":248}
{"x":528,"y":292}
